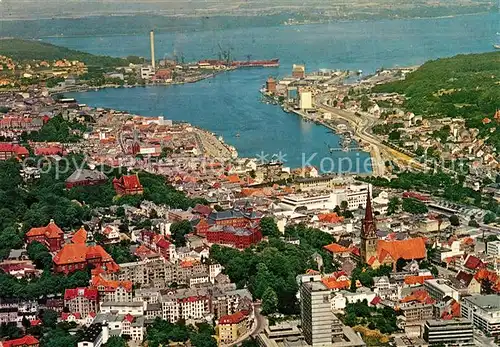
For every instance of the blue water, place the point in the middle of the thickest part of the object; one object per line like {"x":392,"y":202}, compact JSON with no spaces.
{"x":230,"y":103}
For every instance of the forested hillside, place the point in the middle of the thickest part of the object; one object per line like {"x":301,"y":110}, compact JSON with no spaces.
{"x":466,"y":86}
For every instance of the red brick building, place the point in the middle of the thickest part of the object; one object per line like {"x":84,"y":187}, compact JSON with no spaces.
{"x":157,"y":243}
{"x":81,"y":300}
{"x":128,"y":185}
{"x":271,"y":85}
{"x":10,"y":150}
{"x":236,"y":218}
{"x":25,"y":341}
{"x":77,"y":256}
{"x":236,"y":237}
{"x":51,"y":236}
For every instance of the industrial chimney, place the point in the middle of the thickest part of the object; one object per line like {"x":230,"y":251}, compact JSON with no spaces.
{"x":152,"y":41}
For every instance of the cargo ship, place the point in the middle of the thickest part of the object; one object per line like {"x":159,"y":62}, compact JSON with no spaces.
{"x":256,"y":63}
{"x":214,"y":63}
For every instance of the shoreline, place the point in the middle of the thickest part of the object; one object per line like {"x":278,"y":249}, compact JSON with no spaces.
{"x":201,"y":16}
{"x":86,"y":88}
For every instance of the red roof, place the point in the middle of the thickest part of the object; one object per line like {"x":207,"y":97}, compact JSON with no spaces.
{"x":376,"y":300}
{"x":332,"y":218}
{"x":234,"y":318}
{"x":79,"y":253}
{"x":27,"y":340}
{"x":406,"y":249}
{"x":50,"y":231}
{"x":35,"y":322}
{"x":473,"y":263}
{"x":421,"y":296}
{"x":110,"y":286}
{"x":202,"y":209}
{"x":417,"y":279}
{"x":335,"y":248}
{"x":53,"y":150}
{"x":88,"y":293}
{"x":80,"y":236}
{"x":131,"y":181}
{"x":12,"y":147}
{"x":65,"y":316}
{"x":417,"y":196}
{"x":129,"y":318}
{"x":332,"y":283}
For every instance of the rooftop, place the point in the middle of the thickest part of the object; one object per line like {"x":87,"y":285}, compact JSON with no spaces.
{"x":489,"y":302}
{"x":438,"y":323}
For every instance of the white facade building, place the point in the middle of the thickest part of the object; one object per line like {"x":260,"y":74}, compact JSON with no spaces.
{"x":439,"y":288}
{"x":493,"y":248}
{"x":483,"y":311}
{"x":305,"y":100}
{"x":354,"y":194}
{"x":147,"y":72}
{"x":133,"y":308}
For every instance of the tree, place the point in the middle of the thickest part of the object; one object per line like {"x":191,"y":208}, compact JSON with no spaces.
{"x":351,"y":320}
{"x":269,"y":301}
{"x":394,"y":135}
{"x":489,"y":218}
{"x":414,"y":206}
{"x":179,"y":230}
{"x":120,"y":211}
{"x":203,"y":340}
{"x":454,"y":220}
{"x":262,"y":281}
{"x":393,"y":205}
{"x":344,"y":205}
{"x":49,"y":318}
{"x":365,"y":103}
{"x":40,"y":255}
{"x":269,"y":227}
{"x":473,"y":223}
{"x":116,"y":341}
{"x":58,"y":338}
{"x":10,"y":331}
{"x":25,"y":322}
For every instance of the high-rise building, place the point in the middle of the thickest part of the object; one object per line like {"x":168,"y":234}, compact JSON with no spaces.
{"x":483,"y":311}
{"x":305,"y":100}
{"x":316,"y":314}
{"x":455,"y":332}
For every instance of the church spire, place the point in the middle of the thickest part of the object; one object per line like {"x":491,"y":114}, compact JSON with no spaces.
{"x":368,"y":227}
{"x":368,"y":210}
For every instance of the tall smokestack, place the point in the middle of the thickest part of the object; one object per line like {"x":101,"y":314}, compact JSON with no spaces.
{"x":152,"y":40}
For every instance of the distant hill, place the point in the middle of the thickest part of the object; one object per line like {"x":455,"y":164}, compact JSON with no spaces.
{"x":466,"y":86}
{"x":23,"y":50}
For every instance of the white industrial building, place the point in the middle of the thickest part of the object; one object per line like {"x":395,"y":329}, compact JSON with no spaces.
{"x":355,"y":195}
{"x":305,"y":100}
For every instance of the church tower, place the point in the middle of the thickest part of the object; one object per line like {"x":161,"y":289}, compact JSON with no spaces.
{"x":368,"y":233}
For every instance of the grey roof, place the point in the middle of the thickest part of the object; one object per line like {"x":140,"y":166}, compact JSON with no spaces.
{"x":154,"y":306}
{"x":124,"y":304}
{"x":85,"y":174}
{"x":489,"y":302}
{"x":16,"y":253}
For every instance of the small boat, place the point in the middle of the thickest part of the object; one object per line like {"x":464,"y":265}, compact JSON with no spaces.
{"x":496,"y":46}
{"x":237,"y":134}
